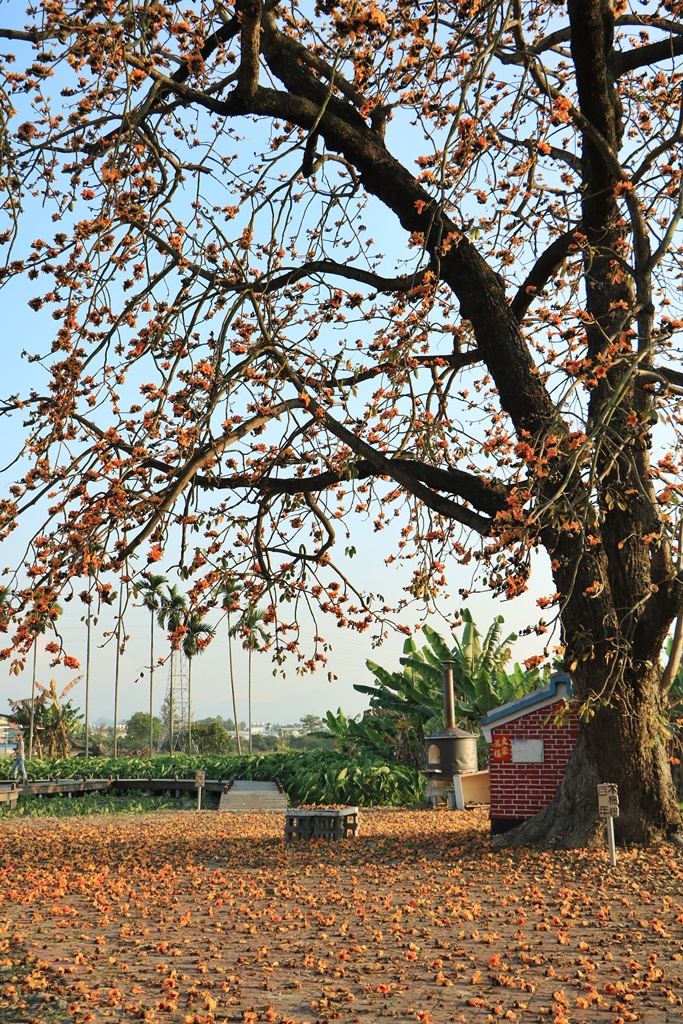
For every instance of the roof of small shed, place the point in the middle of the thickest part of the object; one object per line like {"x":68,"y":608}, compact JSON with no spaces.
{"x":559,"y":688}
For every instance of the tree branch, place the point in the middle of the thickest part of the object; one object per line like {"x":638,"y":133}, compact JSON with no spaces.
{"x":404,"y":283}
{"x":662,"y":375}
{"x":247,"y":79}
{"x":623,"y":61}
{"x":290,"y":62}
{"x":33,"y":35}
{"x":643,"y":56}
{"x":479,"y":289}
{"x":384,"y":465}
{"x":539,"y":275}
{"x":227,"y":31}
{"x":455,"y":361}
{"x":486,"y":498}
{"x":183,"y":477}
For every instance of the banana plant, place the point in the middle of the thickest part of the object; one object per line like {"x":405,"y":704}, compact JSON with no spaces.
{"x":60,"y":719}
{"x":407,"y":705}
{"x":378,"y":732}
{"x":481,"y":681}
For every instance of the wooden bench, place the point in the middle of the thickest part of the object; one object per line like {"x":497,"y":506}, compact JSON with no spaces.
{"x":9,"y":796}
{"x":321,"y":823}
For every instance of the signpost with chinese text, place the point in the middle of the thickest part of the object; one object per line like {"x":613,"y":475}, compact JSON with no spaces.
{"x":199,"y":780}
{"x":608,"y":808}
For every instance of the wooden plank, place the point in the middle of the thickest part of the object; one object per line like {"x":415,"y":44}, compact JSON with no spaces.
{"x":55,"y":788}
{"x":244,"y":795}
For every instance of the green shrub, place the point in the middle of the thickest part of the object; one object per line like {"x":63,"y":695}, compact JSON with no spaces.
{"x":308,"y":776}
{"x":92,"y":803}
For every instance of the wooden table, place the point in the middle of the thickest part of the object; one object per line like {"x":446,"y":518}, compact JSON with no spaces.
{"x":320,"y":823}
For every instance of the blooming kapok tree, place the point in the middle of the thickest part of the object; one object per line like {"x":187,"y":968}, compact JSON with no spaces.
{"x":237,"y":364}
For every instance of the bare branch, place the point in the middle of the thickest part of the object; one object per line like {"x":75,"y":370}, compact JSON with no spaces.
{"x":487,"y":498}
{"x":33,"y":35}
{"x":247,"y":79}
{"x":322,"y":268}
{"x":544,"y":268}
{"x":644,"y":56}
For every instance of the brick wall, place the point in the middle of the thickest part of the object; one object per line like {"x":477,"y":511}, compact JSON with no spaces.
{"x":520,"y":790}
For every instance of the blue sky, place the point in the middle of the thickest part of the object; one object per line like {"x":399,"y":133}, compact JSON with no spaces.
{"x":276,"y":699}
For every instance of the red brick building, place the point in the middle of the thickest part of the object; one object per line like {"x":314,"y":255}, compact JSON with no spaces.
{"x":528,"y":752}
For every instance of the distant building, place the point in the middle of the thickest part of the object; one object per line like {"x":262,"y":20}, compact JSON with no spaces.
{"x":274,"y":729}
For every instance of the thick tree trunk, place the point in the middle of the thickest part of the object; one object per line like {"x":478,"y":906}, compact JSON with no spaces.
{"x":621,"y":743}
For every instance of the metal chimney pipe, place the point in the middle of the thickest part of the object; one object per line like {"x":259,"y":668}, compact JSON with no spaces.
{"x":448,"y":705}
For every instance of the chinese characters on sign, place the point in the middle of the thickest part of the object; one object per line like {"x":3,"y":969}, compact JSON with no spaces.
{"x":199,"y":781}
{"x":501,"y":748}
{"x":608,"y":809}
{"x":608,"y":800}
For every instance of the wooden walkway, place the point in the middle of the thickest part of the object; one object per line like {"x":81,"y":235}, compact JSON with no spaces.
{"x":63,"y":787}
{"x":235,"y":795}
{"x":244,"y":796}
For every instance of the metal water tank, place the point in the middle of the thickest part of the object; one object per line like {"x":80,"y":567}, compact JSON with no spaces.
{"x":451,"y":751}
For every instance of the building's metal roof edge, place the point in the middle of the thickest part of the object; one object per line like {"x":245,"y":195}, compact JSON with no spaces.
{"x":514,"y":708}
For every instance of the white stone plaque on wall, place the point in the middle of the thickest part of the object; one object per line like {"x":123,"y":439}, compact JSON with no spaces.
{"x":527,"y":751}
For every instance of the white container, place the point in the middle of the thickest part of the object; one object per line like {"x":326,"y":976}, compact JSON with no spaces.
{"x":471,"y":788}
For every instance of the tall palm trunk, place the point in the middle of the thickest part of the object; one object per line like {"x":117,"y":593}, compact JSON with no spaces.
{"x":151,"y":684}
{"x":232,"y":687}
{"x":251,"y":654}
{"x":189,"y":705}
{"x":170,"y":615}
{"x":171,"y":710}
{"x":117,"y":673}
{"x":87,"y":680}
{"x":193,"y":643}
{"x":33,"y":699}
{"x":253,"y":634}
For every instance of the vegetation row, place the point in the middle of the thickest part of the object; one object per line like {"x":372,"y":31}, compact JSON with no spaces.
{"x":309,"y":777}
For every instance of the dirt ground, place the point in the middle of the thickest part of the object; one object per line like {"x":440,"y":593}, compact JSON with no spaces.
{"x":200,"y":917}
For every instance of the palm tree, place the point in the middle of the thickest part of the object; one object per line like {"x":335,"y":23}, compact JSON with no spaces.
{"x":254,"y":638}
{"x":152,"y":599}
{"x":38,"y":621}
{"x":119,"y":622}
{"x":229,"y":592}
{"x":91,"y":564}
{"x":170,"y":615}
{"x":86,"y":598}
{"x":194,"y":643}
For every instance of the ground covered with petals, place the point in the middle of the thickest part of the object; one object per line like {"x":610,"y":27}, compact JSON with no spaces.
{"x":201,"y":917}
